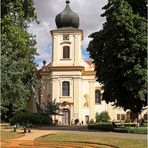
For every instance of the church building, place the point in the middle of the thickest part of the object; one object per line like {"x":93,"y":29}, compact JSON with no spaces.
{"x":71,"y":80}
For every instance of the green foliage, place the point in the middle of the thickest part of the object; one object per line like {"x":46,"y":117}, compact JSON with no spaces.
{"x":109,"y":127}
{"x":33,"y":118}
{"x":119,"y":52}
{"x":134,"y":130}
{"x":91,"y":121}
{"x":101,"y":126}
{"x":17,"y":50}
{"x":102,"y":117}
{"x":51,"y":108}
{"x":127,"y":120}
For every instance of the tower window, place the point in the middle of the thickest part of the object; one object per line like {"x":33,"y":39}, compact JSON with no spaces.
{"x":65,"y":88}
{"x":66,"y":52}
{"x":97,"y":97}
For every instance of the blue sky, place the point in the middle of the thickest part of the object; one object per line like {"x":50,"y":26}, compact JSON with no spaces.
{"x":90,"y":21}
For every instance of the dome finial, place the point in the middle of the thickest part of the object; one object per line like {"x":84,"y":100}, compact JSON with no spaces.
{"x":67,"y":1}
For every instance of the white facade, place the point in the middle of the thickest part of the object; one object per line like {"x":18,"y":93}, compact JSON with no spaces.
{"x":80,"y":102}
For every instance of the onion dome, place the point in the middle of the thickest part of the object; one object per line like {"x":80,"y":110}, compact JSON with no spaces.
{"x":67,"y":18}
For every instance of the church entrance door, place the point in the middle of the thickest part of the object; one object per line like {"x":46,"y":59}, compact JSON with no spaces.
{"x":66,"y":117}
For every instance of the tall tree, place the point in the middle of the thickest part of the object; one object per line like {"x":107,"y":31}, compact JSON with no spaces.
{"x":17,"y":55}
{"x":119,"y":52}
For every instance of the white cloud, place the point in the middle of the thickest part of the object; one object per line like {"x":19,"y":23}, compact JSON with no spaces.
{"x":90,"y":21}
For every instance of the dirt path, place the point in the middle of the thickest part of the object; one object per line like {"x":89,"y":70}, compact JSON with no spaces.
{"x":36,"y":133}
{"x":27,"y":141}
{"x":38,"y":144}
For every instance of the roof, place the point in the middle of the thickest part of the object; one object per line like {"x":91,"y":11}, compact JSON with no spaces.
{"x":89,"y":63}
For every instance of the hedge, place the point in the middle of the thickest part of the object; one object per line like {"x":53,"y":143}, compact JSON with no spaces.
{"x":33,"y":118}
{"x":109,"y":127}
{"x":101,"y":126}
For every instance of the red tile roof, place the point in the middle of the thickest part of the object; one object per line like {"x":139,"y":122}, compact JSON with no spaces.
{"x":89,"y":63}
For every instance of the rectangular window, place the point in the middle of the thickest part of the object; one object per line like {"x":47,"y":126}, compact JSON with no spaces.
{"x":122,"y":116}
{"x":118,"y":116}
{"x":97,"y":97}
{"x":146,"y":116}
{"x":65,"y":89}
{"x":66,"y":52}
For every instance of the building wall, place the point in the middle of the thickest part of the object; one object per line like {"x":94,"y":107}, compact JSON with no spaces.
{"x":74,"y":42}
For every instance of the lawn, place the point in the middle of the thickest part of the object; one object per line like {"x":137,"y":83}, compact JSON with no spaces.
{"x":6,"y":135}
{"x":7,"y":132}
{"x":117,"y":142}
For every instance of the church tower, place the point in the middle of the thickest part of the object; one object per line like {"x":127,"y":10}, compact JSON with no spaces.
{"x":67,"y":39}
{"x":68,"y":78}
{"x":66,"y":67}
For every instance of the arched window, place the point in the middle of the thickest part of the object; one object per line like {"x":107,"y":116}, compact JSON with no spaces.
{"x":65,"y":88}
{"x":97,"y":97}
{"x":66,"y":52}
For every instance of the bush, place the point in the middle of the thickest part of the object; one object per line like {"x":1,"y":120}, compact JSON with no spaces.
{"x":134,"y":130}
{"x":101,"y":126}
{"x":127,"y":120}
{"x":33,"y":118}
{"x":138,"y":130}
{"x":102,"y":117}
{"x":91,"y":121}
{"x":109,"y":127}
{"x":121,"y":130}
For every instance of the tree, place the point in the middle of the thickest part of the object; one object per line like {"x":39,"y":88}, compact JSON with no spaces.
{"x":119,"y":52}
{"x":51,"y":108}
{"x":17,"y":56}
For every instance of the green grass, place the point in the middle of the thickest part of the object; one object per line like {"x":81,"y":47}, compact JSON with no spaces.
{"x":6,"y":135}
{"x":133,"y":130}
{"x":122,"y":143}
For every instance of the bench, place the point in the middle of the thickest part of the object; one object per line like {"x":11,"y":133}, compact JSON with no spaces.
{"x":126,"y":124}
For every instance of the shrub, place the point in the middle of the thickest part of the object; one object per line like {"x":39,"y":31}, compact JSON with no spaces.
{"x":138,"y":130}
{"x":109,"y":127}
{"x":91,"y":121}
{"x":101,"y":126}
{"x":121,"y":130}
{"x":102,"y":117}
{"x":127,"y":120}
{"x":33,"y":118}
{"x":134,"y":130}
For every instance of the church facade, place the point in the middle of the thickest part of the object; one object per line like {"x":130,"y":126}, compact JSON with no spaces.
{"x":71,"y":80}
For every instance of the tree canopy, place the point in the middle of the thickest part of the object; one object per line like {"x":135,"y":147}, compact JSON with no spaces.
{"x":17,"y":55}
{"x":119,"y":52}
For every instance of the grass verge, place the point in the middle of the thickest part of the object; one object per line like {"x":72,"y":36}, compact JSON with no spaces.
{"x":6,"y":135}
{"x":109,"y":127}
{"x":117,"y":142}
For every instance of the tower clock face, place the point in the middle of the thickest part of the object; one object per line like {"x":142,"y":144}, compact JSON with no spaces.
{"x":65,"y":36}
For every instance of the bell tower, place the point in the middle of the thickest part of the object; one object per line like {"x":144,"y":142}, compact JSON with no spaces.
{"x":68,"y":78}
{"x":67,"y":39}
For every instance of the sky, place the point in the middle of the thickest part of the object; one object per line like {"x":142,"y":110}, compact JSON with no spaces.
{"x":89,"y":12}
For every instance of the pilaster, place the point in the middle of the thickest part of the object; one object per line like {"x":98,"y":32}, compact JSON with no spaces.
{"x":77,"y":98}
{"x":92,"y":99}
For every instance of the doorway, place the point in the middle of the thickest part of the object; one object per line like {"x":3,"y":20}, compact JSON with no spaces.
{"x":65,"y":117}
{"x":86,"y":119}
